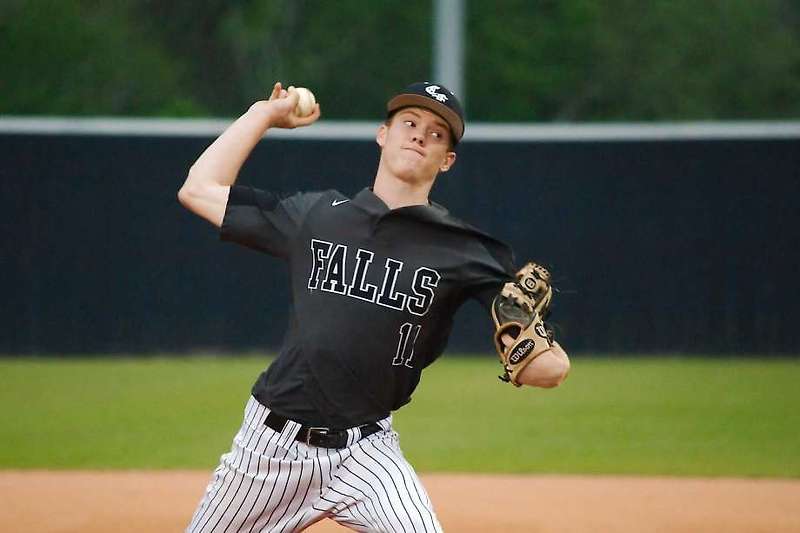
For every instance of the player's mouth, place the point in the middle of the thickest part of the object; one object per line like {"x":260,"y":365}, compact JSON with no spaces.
{"x":415,"y":150}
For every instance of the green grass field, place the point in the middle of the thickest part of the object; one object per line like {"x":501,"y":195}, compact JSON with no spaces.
{"x":675,"y":416}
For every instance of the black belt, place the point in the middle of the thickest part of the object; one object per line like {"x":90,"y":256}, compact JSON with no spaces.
{"x":316,"y":436}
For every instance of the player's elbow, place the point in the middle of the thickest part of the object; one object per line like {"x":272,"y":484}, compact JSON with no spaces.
{"x":550,"y":382}
{"x":205,"y":200}
{"x":188,"y":191}
{"x":193,"y":191}
{"x":552,"y":379}
{"x":547,"y":371}
{"x":184,"y":196}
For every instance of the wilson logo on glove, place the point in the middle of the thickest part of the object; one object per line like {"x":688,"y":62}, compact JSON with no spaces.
{"x":518,"y":313}
{"x":521,"y":351}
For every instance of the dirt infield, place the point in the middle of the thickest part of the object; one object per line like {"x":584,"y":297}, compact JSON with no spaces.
{"x":163,"y":501}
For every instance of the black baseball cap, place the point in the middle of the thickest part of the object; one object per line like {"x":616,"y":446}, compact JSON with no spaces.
{"x":436,"y":98}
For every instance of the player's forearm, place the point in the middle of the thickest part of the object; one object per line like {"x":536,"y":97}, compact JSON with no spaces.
{"x":206,"y":189}
{"x":548,"y":370}
{"x":221,"y":162}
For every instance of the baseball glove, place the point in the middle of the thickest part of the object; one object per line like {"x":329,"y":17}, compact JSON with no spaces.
{"x":518,"y":313}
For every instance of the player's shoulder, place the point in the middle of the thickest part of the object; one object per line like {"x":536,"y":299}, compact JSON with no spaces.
{"x":335,"y":197}
{"x":469,"y":229}
{"x":322,"y":203}
{"x":495,"y":248}
{"x":314,"y":198}
{"x":328,"y":197}
{"x":293,"y":201}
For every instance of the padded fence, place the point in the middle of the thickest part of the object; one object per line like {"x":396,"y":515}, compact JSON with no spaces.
{"x":676,"y":245}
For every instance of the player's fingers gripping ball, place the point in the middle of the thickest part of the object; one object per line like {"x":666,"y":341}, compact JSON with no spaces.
{"x":305,"y":101}
{"x":520,"y":332}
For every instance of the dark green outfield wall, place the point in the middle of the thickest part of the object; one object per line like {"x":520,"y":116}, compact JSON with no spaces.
{"x":678,"y":246}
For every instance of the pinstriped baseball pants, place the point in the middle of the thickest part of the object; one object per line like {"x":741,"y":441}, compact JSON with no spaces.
{"x":271,"y":482}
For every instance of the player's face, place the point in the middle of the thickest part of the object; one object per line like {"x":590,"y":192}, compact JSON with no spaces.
{"x":416,"y":145}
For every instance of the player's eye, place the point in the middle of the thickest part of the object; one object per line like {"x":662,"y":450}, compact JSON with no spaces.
{"x":436,"y":135}
{"x":409,"y":123}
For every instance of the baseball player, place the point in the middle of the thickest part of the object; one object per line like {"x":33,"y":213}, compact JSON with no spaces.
{"x":375,"y":281}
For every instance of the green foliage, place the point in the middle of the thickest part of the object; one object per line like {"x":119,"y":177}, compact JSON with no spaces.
{"x":529,"y":60}
{"x":631,"y":60}
{"x":676,"y":416}
{"x":83,"y":58}
{"x":525,"y":61}
{"x":350,"y":52}
{"x":683,"y":59}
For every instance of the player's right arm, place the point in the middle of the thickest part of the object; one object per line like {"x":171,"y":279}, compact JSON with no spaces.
{"x":205,"y":191}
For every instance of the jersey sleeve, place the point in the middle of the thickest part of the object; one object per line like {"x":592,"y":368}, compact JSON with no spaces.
{"x":489,"y":274}
{"x":264,"y":220}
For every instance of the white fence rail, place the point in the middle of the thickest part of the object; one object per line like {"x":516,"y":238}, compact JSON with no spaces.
{"x":360,"y":130}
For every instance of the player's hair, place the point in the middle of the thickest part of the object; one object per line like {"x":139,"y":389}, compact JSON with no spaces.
{"x":451,"y":138}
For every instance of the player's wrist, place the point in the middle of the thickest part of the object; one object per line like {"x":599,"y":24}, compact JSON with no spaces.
{"x":264,"y":112}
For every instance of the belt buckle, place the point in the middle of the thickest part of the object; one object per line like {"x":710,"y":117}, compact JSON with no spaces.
{"x":324,"y":431}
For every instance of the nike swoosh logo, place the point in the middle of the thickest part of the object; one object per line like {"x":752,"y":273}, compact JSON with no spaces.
{"x":338,"y":202}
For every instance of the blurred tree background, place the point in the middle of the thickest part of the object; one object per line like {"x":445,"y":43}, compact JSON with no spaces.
{"x":526,"y":60}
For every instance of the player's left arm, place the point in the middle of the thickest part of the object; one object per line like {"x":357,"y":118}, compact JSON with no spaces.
{"x":548,"y":370}
{"x":524,"y":342}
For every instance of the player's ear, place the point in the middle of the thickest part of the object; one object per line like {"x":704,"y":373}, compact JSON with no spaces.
{"x":449,"y":161}
{"x":380,"y":137}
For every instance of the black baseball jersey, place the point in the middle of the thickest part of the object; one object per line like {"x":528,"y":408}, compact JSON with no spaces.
{"x":374,"y":291}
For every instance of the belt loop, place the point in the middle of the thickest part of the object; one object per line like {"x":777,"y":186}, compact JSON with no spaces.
{"x":386,"y":423}
{"x":289,"y":433}
{"x":262,"y":418}
{"x":353,"y":436}
{"x":255,"y":412}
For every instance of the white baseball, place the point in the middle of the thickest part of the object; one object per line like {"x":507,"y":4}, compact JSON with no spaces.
{"x":305,"y":101}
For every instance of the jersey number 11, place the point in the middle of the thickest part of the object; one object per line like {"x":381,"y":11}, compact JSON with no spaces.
{"x":405,"y":349}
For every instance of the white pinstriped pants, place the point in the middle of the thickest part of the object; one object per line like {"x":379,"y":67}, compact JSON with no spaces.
{"x":271,"y":482}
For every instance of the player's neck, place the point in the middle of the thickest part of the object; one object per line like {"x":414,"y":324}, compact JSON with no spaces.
{"x":396,"y":193}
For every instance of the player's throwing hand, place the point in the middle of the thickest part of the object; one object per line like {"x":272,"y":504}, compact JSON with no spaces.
{"x":281,"y":107}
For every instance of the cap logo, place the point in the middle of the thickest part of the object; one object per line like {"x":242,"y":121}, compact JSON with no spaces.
{"x":431,"y":90}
